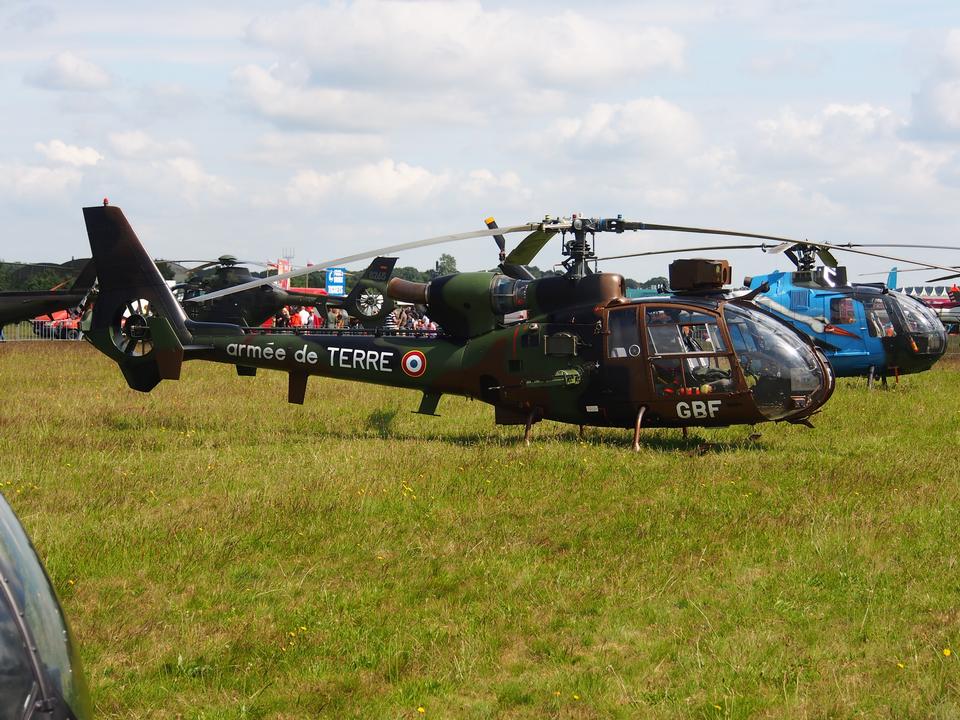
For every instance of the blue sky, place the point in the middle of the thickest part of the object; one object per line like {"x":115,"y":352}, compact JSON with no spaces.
{"x":331,"y":128}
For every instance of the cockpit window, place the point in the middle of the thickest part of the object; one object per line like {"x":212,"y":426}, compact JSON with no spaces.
{"x":918,"y":318}
{"x":17,"y":684}
{"x":782,"y":371}
{"x":879,"y":323}
{"x":926,"y":333}
{"x":842,"y":311}
{"x":623,"y":339}
{"x":672,"y":330}
{"x":34,"y":597}
{"x":687,"y":352}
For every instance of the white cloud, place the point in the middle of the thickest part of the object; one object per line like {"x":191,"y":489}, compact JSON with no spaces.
{"x":382,"y":43}
{"x":388,"y":182}
{"x":66,"y":71}
{"x":308,"y":187}
{"x":373,"y":64}
{"x":288,"y":99}
{"x":936,"y":105}
{"x":137,"y":144}
{"x":293,"y":147}
{"x":843,"y":138}
{"x":483,"y":183}
{"x":192,"y":177}
{"x":646,"y":125}
{"x":37,"y":182}
{"x":59,"y":151}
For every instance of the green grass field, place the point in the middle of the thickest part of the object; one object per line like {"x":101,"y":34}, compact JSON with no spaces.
{"x":222,"y":554}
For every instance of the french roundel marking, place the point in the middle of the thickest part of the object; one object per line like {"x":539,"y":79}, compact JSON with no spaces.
{"x":414,"y":363}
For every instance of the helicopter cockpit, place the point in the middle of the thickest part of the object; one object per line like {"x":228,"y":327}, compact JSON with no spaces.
{"x":783,"y":372}
{"x":694,"y":347}
{"x":926,"y":334}
{"x":39,"y":670}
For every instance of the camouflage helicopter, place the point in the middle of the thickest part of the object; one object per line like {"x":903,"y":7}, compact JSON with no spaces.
{"x":252,"y":307}
{"x":584,"y":354}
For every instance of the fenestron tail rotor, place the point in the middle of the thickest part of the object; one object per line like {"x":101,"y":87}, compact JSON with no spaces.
{"x":130,"y":330}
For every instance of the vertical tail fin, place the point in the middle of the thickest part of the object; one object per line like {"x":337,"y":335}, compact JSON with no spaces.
{"x":368,"y":300}
{"x":892,"y":278}
{"x":136,"y":321}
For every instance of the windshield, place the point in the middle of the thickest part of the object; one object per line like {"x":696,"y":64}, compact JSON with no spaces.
{"x":927,"y":334}
{"x":34,"y":597}
{"x":918,"y":318}
{"x":782,"y":371}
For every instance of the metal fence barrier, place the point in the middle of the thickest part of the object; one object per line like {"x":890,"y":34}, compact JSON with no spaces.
{"x":35,"y":330}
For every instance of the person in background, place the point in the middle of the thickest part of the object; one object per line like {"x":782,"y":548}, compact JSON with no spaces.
{"x":331,"y":317}
{"x":304,"y":317}
{"x":295,"y":321}
{"x":390,"y":322}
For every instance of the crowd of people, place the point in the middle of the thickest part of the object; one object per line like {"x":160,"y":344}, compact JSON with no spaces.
{"x":410,"y":319}
{"x":304,"y":317}
{"x":401,"y":319}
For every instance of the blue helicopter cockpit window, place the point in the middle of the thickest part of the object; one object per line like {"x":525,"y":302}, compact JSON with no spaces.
{"x":842,"y":311}
{"x":918,"y":318}
{"x":926,"y":332}
{"x":781,"y":370}
{"x":879,"y":323}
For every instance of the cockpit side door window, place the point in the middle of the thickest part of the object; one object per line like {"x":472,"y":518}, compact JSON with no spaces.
{"x":687,"y":351}
{"x":623,"y":333}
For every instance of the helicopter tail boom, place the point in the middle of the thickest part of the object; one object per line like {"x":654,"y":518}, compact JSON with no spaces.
{"x":136,"y":321}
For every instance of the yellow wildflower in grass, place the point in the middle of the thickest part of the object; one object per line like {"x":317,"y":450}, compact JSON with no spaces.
{"x":422,"y":710}
{"x":901,"y":665}
{"x":947,"y":652}
{"x":576,"y":697}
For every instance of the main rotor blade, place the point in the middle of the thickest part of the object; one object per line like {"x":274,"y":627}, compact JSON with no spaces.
{"x":767,"y":248}
{"x":200,"y":268}
{"x":851,"y":248}
{"x":439,"y":239}
{"x":900,"y":271}
{"x":706,"y":231}
{"x":684,"y":250}
{"x":945,"y":277}
{"x":528,"y":248}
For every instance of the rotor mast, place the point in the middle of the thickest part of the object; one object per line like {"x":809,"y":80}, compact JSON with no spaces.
{"x":579,"y":248}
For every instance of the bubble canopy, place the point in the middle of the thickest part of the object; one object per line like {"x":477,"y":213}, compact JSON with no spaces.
{"x":782,"y":370}
{"x":39,"y":668}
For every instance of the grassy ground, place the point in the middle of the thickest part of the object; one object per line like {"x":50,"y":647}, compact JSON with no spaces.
{"x":222,"y":554}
